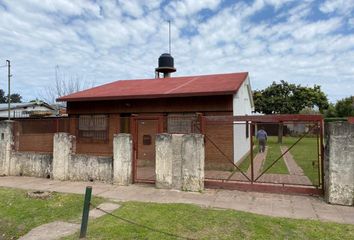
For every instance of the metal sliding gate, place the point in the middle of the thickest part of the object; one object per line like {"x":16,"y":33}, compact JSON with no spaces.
{"x":292,"y":161}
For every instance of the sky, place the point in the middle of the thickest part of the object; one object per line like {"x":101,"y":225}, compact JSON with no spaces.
{"x":99,"y":41}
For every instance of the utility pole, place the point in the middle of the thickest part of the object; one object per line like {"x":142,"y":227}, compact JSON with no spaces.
{"x":9,"y":94}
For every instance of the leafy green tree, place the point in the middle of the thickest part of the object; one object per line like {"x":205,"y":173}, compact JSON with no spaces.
{"x":15,"y":97}
{"x":2,"y":96}
{"x":345,"y":107}
{"x":330,"y":112}
{"x":287,"y":98}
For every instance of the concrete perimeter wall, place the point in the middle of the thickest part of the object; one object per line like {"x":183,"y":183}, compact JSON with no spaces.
{"x":64,"y":163}
{"x":90,"y":168}
{"x":180,"y":161}
{"x":339,"y":163}
{"x":31,"y":164}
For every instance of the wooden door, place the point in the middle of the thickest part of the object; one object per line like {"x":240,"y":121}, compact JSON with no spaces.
{"x":144,"y":164}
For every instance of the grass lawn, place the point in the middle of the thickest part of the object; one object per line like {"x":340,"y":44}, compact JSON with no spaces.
{"x":202,"y":223}
{"x":19,"y":214}
{"x":247,"y":161}
{"x":273,"y":153}
{"x":305,"y":154}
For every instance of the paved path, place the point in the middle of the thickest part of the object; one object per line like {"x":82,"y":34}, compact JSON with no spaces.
{"x":291,"y":206}
{"x":294,"y":169}
{"x":58,"y":229}
{"x":258,"y":163}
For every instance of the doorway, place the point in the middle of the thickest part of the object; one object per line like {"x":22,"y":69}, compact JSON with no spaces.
{"x":145,"y":132}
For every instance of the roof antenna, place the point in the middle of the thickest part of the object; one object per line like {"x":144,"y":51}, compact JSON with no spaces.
{"x":166,"y":61}
{"x":169,"y":37}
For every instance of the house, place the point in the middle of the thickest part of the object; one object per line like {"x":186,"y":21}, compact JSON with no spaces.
{"x":25,"y":110}
{"x":170,"y":104}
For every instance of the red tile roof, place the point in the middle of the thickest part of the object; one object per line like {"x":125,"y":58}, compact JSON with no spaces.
{"x":206,"y":85}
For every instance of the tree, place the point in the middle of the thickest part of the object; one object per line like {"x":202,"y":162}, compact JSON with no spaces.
{"x":330,"y":112}
{"x":287,"y":98}
{"x":2,"y":96}
{"x":15,"y":97}
{"x":345,"y":107}
{"x":63,"y":85}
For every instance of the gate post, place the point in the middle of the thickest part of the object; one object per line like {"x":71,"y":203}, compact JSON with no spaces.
{"x":193,"y":157}
{"x":251,"y":153}
{"x":164,"y":160}
{"x":122,"y":159}
{"x":339,"y":164}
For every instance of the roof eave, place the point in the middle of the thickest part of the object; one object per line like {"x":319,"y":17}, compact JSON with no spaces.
{"x":131,"y":97}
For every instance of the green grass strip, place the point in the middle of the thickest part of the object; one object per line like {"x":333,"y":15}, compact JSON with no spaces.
{"x":19,"y":214}
{"x":194,"y":222}
{"x":305,"y":155}
{"x":273,"y":153}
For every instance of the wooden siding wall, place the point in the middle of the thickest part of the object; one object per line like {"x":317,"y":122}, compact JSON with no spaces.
{"x":162,"y":105}
{"x":38,"y":135}
{"x":208,"y":105}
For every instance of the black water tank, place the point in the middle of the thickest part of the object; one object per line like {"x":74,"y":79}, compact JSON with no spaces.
{"x":166,"y":60}
{"x":166,"y":64}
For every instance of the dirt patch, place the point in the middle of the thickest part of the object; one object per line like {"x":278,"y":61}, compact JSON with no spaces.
{"x":39,"y":194}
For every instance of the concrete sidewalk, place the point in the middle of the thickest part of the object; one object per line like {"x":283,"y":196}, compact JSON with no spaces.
{"x":290,"y":206}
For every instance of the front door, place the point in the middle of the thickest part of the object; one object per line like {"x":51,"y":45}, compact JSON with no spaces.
{"x":144,"y":142}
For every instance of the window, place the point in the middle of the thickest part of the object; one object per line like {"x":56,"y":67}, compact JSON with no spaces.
{"x":93,"y":128}
{"x":183,"y":123}
{"x":125,"y":122}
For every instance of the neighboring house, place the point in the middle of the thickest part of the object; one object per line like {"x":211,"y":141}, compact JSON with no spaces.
{"x":141,"y":107}
{"x":26,"y":110}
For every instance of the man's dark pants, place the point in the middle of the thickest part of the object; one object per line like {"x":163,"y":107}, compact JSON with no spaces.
{"x":262,"y":143}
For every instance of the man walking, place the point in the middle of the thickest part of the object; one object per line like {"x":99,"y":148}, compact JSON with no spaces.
{"x":262,"y":139}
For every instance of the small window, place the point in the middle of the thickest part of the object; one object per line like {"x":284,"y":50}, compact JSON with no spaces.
{"x":146,"y":139}
{"x":183,"y":123}
{"x":93,"y":128}
{"x":125,"y":122}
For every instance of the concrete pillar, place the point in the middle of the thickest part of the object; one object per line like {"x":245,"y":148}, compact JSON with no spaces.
{"x":180,"y":161}
{"x":164,"y":160}
{"x":339,"y":163}
{"x":122,"y":159}
{"x":193,"y":157}
{"x":64,"y":146}
{"x":168,"y":166}
{"x":6,"y":146}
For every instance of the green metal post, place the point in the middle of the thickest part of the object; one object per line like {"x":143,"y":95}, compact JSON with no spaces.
{"x":85,"y":213}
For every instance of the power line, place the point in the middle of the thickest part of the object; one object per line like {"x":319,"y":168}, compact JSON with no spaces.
{"x":142,"y":226}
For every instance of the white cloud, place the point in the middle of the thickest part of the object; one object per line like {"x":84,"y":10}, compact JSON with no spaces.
{"x":311,"y":30}
{"x":340,"y":6}
{"x":189,"y":7}
{"x":101,"y":41}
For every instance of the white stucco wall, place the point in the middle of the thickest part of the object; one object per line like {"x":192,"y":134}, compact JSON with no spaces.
{"x":242,"y":105}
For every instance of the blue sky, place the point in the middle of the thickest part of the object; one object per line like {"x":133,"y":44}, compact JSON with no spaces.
{"x":304,"y":42}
